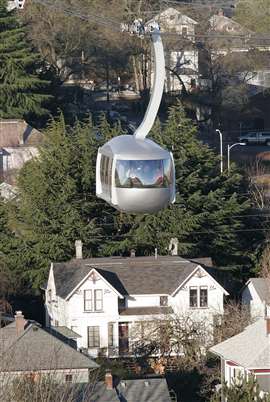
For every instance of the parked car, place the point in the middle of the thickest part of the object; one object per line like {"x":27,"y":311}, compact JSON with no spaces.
{"x":258,"y":138}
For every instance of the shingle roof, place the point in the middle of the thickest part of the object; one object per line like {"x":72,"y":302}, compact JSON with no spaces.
{"x":66,"y":332}
{"x":17,"y":132}
{"x":146,"y":390}
{"x":146,"y":310}
{"x":250,"y":348}
{"x":139,"y":275}
{"x":262,"y":287}
{"x":37,"y":349}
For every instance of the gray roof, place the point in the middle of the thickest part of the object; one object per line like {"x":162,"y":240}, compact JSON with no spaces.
{"x":146,"y":390}
{"x":37,"y":349}
{"x":146,"y":310}
{"x":250,"y":348}
{"x":66,"y":332}
{"x":139,"y":275}
{"x":262,"y":287}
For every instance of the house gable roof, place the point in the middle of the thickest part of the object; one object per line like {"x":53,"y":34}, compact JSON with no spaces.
{"x":164,"y":17}
{"x":14,"y":133}
{"x":98,"y":272}
{"x":199,"y":268}
{"x":262,"y":288}
{"x":36,"y":349}
{"x":139,"y":275}
{"x":145,"y":390}
{"x":249,"y":349}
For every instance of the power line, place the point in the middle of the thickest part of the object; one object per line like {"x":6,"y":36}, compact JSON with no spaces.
{"x":116,"y":26}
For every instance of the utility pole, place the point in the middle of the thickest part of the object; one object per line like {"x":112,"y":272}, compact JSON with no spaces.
{"x":221,"y":149}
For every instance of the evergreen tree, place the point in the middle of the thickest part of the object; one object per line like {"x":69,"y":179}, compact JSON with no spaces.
{"x":57,"y":203}
{"x":22,"y":91}
{"x":208,"y":217}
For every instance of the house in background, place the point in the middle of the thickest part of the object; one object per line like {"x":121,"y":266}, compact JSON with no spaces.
{"x":221,"y":23}
{"x":15,"y":4}
{"x":7,"y":191}
{"x":181,"y":56}
{"x":256,"y":296}
{"x":28,"y":350}
{"x":247,"y":353}
{"x":103,"y":299}
{"x":143,"y":390}
{"x":18,"y":143}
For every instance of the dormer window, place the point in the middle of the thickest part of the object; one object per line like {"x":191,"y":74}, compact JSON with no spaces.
{"x":88,"y":305}
{"x":184,"y":31}
{"x":93,"y":300}
{"x":198,"y":297}
{"x":163,"y":301}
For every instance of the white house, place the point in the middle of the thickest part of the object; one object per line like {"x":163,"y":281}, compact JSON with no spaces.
{"x":101,"y":299}
{"x":256,"y":296}
{"x":18,"y":143}
{"x":182,"y":56}
{"x":247,"y":353}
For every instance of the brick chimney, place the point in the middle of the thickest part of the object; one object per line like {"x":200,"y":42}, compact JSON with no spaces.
{"x":78,"y":248}
{"x":220,"y":12}
{"x":20,"y":322}
{"x":109,"y":380}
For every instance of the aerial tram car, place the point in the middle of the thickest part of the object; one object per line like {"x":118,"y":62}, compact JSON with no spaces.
{"x":133,"y":173}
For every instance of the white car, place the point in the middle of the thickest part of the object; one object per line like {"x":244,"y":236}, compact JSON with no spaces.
{"x":258,"y":138}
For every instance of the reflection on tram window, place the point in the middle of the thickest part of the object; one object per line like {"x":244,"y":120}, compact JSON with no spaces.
{"x":143,"y":173}
{"x":105,"y":170}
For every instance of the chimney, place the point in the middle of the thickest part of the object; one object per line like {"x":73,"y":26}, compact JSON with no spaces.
{"x":109,"y":380}
{"x":220,"y":12}
{"x":156,"y":254}
{"x":132,"y":253}
{"x":78,"y":247}
{"x":20,"y":322}
{"x":173,"y":246}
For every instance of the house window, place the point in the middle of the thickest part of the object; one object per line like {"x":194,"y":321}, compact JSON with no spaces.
{"x":98,"y":300}
{"x":184,"y":31}
{"x":87,"y":300}
{"x":193,"y":297}
{"x":93,"y":337}
{"x":49,"y":295}
{"x":121,"y":303}
{"x":97,"y":303}
{"x":110,"y":333}
{"x":163,"y":301}
{"x":172,"y":17}
{"x":68,"y":377}
{"x":56,"y":323}
{"x":203,"y":296}
{"x":198,"y":297}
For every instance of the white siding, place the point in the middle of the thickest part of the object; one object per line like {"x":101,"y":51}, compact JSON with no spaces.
{"x":180,"y":301}
{"x":251,"y":299}
{"x":81,"y":319}
{"x":143,"y":301}
{"x":59,"y":376}
{"x":71,"y":312}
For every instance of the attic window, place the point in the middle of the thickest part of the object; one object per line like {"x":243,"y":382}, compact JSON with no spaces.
{"x":68,"y":377}
{"x":184,"y":31}
{"x":163,"y":301}
{"x":49,"y":295}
